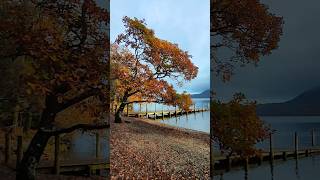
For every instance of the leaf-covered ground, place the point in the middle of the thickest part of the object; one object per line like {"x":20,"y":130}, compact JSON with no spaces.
{"x":144,"y":149}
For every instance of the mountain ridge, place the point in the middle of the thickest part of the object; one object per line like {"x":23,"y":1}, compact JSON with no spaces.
{"x":305,"y":104}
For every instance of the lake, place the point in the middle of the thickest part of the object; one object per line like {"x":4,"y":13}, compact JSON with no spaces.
{"x":83,"y":145}
{"x":304,"y":169}
{"x":196,"y":121}
{"x":286,"y":126}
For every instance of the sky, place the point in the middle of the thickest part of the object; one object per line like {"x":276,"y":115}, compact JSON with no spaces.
{"x":185,"y":22}
{"x":292,"y":68}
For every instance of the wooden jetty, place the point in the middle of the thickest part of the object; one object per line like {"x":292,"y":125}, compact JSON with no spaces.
{"x":92,"y":166}
{"x":164,"y":113}
{"x":226,"y":163}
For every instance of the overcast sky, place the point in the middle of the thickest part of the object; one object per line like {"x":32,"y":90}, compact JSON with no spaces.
{"x":185,"y":22}
{"x":289,"y":70}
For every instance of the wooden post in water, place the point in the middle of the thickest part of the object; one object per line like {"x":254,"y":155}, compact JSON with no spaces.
{"x":194,"y":107}
{"x":140,"y":108}
{"x":246,"y":163}
{"x":162,"y":113}
{"x":97,"y":150}
{"x":127,"y":110}
{"x":7,"y":150}
{"x":313,"y":138}
{"x":147,"y":110}
{"x":284,"y":155}
{"x":271,"y":147}
{"x":296,"y":144}
{"x":19,"y":151}
{"x":175,"y":110}
{"x":228,"y":163}
{"x":57,"y":154}
{"x":97,"y":145}
{"x":259,"y":159}
{"x":155,"y":110}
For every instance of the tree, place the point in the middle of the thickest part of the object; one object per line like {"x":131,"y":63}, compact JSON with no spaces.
{"x":241,"y":32}
{"x":65,"y":43}
{"x":183,"y":101}
{"x":237,"y":127}
{"x":142,"y":63}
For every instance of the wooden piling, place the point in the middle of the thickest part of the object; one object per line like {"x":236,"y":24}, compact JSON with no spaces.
{"x":259,"y":159}
{"x":147,"y":111}
{"x":162,"y":113}
{"x":7,"y":147}
{"x":175,"y":110}
{"x":19,"y":151}
{"x":97,"y":145}
{"x":155,"y":116}
{"x":313,"y":138}
{"x":57,"y":154}
{"x":246,"y":163}
{"x":307,"y":152}
{"x":270,"y":147}
{"x":194,"y":108}
{"x":296,"y":144}
{"x":284,"y":155}
{"x":127,"y":110}
{"x":228,"y":163}
{"x":140,"y":108}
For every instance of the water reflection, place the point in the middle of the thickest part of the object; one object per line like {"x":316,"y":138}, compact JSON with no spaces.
{"x":303,"y":168}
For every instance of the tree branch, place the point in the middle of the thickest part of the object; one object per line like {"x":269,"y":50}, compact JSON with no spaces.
{"x":84,"y":127}
{"x":77,"y":99}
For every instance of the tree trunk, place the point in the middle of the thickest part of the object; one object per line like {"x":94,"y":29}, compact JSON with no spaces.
{"x":118,"y":113}
{"x":31,"y":158}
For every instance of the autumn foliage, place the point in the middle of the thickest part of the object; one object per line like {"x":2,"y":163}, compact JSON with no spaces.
{"x":241,"y":32}
{"x":141,"y":64}
{"x":183,"y":101}
{"x":64,"y":44}
{"x":237,"y":127}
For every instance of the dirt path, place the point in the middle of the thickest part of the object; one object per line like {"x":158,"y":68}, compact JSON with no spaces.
{"x":144,"y":149}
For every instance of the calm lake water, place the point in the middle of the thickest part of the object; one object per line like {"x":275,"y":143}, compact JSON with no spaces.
{"x":196,"y":121}
{"x":83,"y":146}
{"x":303,"y":169}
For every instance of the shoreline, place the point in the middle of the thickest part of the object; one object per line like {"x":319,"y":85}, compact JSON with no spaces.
{"x":144,"y":148}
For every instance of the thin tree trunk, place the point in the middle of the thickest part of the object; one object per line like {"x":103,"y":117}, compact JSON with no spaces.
{"x":118,"y":113}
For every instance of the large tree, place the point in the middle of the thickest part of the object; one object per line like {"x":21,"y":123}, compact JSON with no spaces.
{"x":65,"y":43}
{"x":142,"y":64}
{"x":241,"y":33}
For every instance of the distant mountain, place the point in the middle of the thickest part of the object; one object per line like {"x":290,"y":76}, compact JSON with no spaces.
{"x":305,"y":104}
{"x":204,"y":94}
